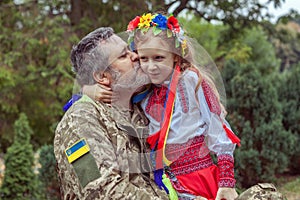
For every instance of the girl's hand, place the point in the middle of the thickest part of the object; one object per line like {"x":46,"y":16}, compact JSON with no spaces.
{"x":98,"y":92}
{"x":226,"y":194}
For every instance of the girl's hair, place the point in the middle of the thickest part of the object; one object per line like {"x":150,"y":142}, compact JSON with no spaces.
{"x":186,"y":58}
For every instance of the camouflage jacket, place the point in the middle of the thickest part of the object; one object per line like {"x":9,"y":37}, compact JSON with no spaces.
{"x":108,"y":161}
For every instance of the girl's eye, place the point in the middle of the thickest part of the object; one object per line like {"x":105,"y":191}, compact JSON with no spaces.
{"x":159,"y":57}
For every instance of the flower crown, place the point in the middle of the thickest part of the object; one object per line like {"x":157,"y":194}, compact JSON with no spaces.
{"x":159,"y":23}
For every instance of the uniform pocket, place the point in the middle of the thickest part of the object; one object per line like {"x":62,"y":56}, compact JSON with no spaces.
{"x":86,"y":169}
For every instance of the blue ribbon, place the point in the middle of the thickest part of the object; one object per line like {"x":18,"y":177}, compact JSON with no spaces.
{"x":139,"y":97}
{"x":73,"y":99}
{"x":158,"y":179}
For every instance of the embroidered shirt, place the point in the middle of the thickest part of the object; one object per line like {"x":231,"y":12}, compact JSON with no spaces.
{"x":191,"y":117}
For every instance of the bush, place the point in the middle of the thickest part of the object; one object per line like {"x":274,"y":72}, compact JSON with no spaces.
{"x":255,"y":113}
{"x":20,"y":182}
{"x":289,"y":90}
{"x":47,"y":173}
{"x":257,"y":119}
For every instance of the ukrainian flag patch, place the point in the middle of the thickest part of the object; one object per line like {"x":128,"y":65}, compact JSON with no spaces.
{"x":77,"y":150}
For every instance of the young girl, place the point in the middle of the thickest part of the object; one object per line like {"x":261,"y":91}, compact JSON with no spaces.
{"x":186,"y":116}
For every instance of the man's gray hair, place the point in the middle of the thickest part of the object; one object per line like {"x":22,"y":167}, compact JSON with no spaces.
{"x":88,"y":56}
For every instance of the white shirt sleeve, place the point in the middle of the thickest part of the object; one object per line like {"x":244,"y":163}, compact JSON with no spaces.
{"x":216,"y":137}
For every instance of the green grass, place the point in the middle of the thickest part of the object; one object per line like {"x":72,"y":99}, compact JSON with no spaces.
{"x":290,"y":188}
{"x":293,"y":186}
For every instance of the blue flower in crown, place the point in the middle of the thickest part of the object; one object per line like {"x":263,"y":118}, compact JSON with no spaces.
{"x":160,"y":21}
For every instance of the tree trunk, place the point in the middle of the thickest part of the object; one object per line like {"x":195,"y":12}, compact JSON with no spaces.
{"x":76,"y":14}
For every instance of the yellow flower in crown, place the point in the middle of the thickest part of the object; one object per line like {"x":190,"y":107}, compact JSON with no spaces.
{"x":145,"y":21}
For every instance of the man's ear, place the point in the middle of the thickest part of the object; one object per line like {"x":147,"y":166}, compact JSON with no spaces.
{"x":102,"y":79}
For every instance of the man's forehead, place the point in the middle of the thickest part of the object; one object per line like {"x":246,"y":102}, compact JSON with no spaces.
{"x":115,"y":41}
{"x":114,"y":46}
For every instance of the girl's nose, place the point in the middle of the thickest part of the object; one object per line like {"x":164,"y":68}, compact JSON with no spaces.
{"x":151,"y":65}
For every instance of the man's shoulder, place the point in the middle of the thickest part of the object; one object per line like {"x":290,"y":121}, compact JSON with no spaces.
{"x":84,"y":106}
{"x":84,"y":119}
{"x":81,"y":112}
{"x":84,"y":103}
{"x":77,"y":109}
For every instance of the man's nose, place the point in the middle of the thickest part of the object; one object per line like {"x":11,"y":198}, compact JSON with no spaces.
{"x":133,"y":56}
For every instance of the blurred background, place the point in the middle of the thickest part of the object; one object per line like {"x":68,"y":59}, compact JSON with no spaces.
{"x":255,"y":44}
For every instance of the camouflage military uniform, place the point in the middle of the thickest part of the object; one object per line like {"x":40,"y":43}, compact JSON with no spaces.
{"x":105,"y":172}
{"x":261,"y":191}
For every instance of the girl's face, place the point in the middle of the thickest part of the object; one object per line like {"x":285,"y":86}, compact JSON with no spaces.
{"x":156,"y":60}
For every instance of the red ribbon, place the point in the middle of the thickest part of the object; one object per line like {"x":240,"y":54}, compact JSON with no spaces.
{"x":232,"y":136}
{"x":160,"y":136}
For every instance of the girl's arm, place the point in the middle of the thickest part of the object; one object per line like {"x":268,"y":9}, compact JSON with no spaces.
{"x":98,"y":92}
{"x":217,"y":137}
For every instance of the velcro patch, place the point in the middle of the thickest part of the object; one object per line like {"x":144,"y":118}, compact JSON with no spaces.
{"x":77,"y":150}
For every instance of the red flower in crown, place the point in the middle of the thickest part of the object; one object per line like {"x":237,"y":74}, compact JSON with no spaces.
{"x":133,"y":23}
{"x":173,"y":24}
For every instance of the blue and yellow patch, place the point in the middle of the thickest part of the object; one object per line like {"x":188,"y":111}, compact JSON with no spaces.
{"x":77,"y":150}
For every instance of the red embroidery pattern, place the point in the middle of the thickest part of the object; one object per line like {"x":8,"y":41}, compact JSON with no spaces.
{"x":226,"y":167}
{"x":211,"y":98}
{"x":189,"y":157}
{"x":178,"y":187}
{"x":155,"y":105}
{"x":183,"y":97}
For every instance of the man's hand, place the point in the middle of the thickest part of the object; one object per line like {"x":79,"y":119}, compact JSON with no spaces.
{"x":98,"y":92}
{"x":226,"y":194}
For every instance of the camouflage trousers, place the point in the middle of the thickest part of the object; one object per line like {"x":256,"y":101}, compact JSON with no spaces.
{"x":261,"y":191}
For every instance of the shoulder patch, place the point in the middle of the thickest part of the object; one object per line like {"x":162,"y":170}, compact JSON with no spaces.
{"x":77,"y":150}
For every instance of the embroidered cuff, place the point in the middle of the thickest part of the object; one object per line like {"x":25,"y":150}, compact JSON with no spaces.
{"x":226,"y":168}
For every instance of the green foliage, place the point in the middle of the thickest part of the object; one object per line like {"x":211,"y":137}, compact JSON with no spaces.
{"x":237,"y":14}
{"x":240,"y":52}
{"x":286,"y":40}
{"x":289,"y":90}
{"x":263,"y":52}
{"x":206,"y":34}
{"x":292,"y":186}
{"x":255,"y":113}
{"x":47,"y":173}
{"x":293,"y":15}
{"x":20,"y":182}
{"x":88,"y":15}
{"x":35,"y":75}
{"x":266,"y":145}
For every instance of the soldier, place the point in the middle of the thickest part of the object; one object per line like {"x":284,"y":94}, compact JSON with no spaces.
{"x":98,"y":146}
